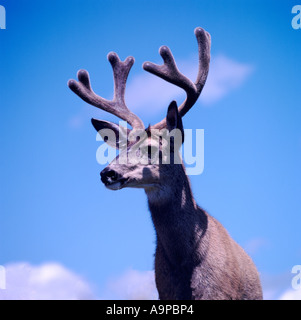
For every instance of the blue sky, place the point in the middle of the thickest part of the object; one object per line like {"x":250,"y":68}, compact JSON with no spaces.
{"x":54,"y":208}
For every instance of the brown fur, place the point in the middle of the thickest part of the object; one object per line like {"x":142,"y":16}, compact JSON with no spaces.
{"x":195,"y":256}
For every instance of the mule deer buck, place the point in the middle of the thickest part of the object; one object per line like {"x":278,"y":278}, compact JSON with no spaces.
{"x":195,"y":256}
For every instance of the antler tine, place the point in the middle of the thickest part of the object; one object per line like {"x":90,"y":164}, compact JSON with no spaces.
{"x":169,"y":72}
{"x":117,"y":106}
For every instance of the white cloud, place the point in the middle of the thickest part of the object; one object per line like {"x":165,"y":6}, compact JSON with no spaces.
{"x":224,"y":76}
{"x":148,"y":93}
{"x":132,"y":285}
{"x":52,"y":281}
{"x":279,"y":287}
{"x":49,"y":281}
{"x":291,"y":294}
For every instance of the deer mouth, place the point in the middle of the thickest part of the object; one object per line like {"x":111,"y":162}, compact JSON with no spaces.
{"x":116,"y":185}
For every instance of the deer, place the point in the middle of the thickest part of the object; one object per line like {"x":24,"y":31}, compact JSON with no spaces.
{"x":195,"y":257}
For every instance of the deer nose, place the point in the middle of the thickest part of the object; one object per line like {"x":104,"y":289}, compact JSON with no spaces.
{"x":108,"y":176}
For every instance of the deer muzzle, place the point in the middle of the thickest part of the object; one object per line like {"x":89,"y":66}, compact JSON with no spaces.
{"x":111,"y":179}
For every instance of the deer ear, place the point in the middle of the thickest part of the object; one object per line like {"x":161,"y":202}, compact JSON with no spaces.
{"x":173,"y":119}
{"x":114,"y":135}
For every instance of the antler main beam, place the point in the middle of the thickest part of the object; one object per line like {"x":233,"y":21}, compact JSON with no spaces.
{"x":117,"y":106}
{"x":169,"y":72}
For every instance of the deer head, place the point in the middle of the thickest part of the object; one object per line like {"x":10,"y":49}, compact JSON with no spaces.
{"x":157,"y":147}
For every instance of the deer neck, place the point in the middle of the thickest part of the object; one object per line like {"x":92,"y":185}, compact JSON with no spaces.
{"x":174,"y":192}
{"x":178,"y":221}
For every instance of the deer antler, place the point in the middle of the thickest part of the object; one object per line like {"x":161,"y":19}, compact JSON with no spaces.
{"x":169,"y":72}
{"x":117,"y":106}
